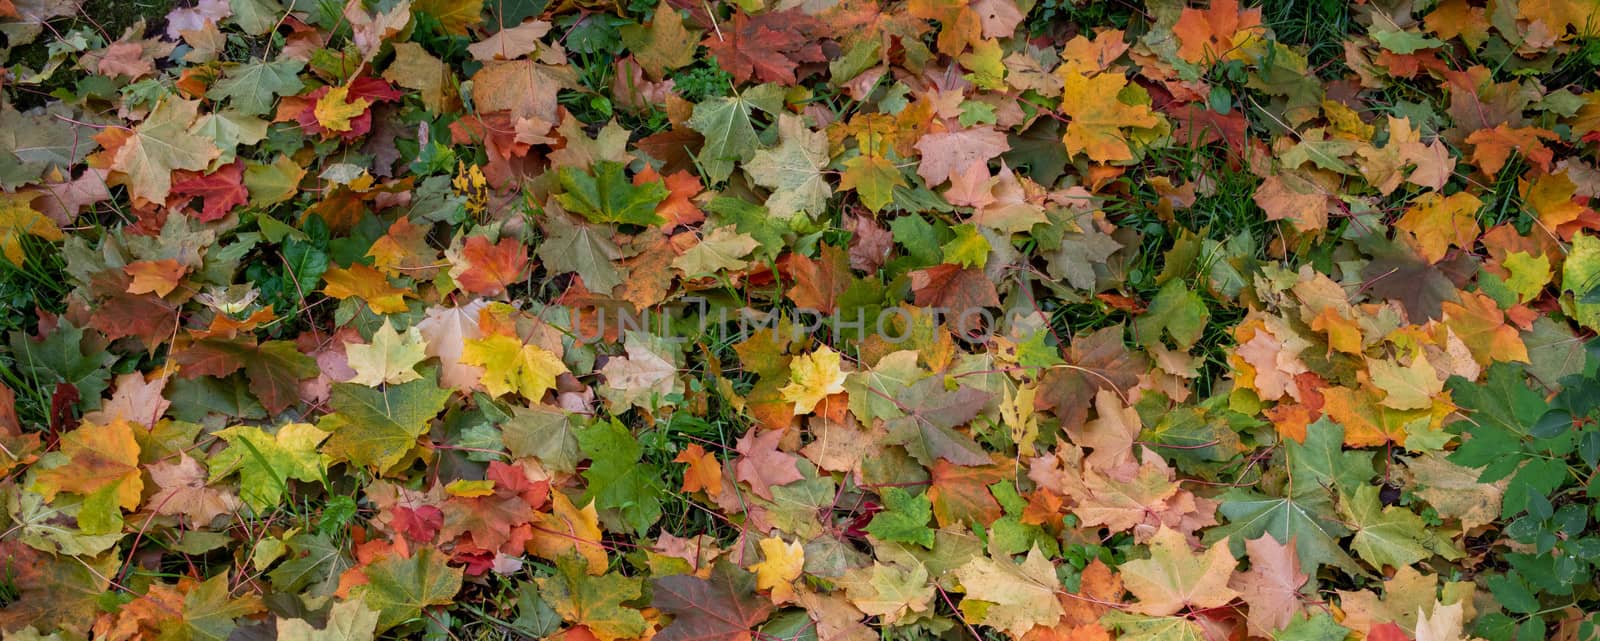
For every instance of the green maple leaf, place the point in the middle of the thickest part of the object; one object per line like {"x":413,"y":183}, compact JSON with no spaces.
{"x":581,"y":248}
{"x":617,"y":479}
{"x":872,"y":392}
{"x":730,"y":133}
{"x":545,"y":433}
{"x":1176,"y":310}
{"x":1138,"y":627}
{"x":209,"y":612}
{"x":607,"y":196}
{"x":33,"y":143}
{"x":310,"y":558}
{"x":376,"y":427}
{"x":928,"y":431}
{"x":905,"y":518}
{"x":594,"y":601}
{"x":1320,"y":626}
{"x":752,"y":219}
{"x":968,"y":248}
{"x":1321,"y":462}
{"x":1306,"y":514}
{"x":265,"y":462}
{"x":64,"y":356}
{"x":253,"y":87}
{"x":400,"y":588}
{"x":1389,"y":536}
{"x":1309,"y":524}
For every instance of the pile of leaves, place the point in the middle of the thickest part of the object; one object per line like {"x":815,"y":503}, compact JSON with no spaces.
{"x":821,"y":320}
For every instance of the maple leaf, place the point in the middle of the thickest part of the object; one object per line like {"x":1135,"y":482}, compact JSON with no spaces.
{"x":607,"y":196}
{"x":722,"y":250}
{"x":1272,"y":586}
{"x":659,"y":46}
{"x":348,"y":620}
{"x":336,"y":107}
{"x":18,"y":218}
{"x":492,"y":267}
{"x":388,"y":359}
{"x":1454,"y":491}
{"x":366,"y":284}
{"x":1492,"y":147}
{"x":892,"y":591}
{"x":960,"y":494}
{"x":932,"y":412}
{"x":721,"y":608}
{"x":102,"y":466}
{"x":400,"y":588}
{"x":1098,"y":116}
{"x":253,"y":87}
{"x":221,"y":191}
{"x":730,"y":134}
{"x":769,"y":46}
{"x":873,"y":178}
{"x":953,"y":287}
{"x":812,"y":378}
{"x":617,"y":478}
{"x":266,"y":462}
{"x":1294,"y":197}
{"x":513,"y":365}
{"x":1175,"y":577}
{"x":376,"y":427}
{"x":762,"y":465}
{"x":947,"y":154}
{"x":1389,"y":536}
{"x":1406,"y":387}
{"x":793,"y":170}
{"x":582,"y":248}
{"x":702,"y":472}
{"x":184,"y":490}
{"x":1016,"y":598}
{"x":160,"y":145}
{"x":1438,"y":222}
{"x":567,"y":530}
{"x":595,"y":602}
{"x":780,"y":567}
{"x":904,"y":518}
{"x":1479,"y":323}
{"x":1214,"y":32}
{"x":414,"y":68}
{"x":155,"y":276}
{"x":818,"y":284}
{"x":446,"y":331}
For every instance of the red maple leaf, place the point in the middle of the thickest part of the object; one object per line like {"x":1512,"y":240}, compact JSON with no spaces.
{"x":493,"y":267}
{"x":220,"y":190}
{"x":769,"y":47}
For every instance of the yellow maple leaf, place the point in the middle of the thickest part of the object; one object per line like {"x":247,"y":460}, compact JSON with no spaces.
{"x":368,"y":284}
{"x":566,"y":530}
{"x":812,"y":378}
{"x":511,"y":365}
{"x":781,"y":567}
{"x":18,"y":218}
{"x":1098,"y":116}
{"x":335,"y":109}
{"x":1438,"y":222}
{"x":388,"y":359}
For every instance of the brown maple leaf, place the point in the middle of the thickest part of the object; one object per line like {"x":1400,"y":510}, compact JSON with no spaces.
{"x":722,"y":608}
